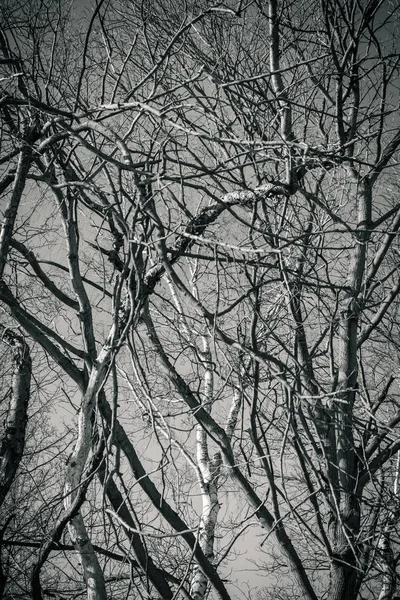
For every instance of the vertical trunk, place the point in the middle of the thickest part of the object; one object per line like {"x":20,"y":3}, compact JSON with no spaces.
{"x":261,"y":512}
{"x":11,"y":211}
{"x":346,"y":521}
{"x":209,"y":470}
{"x":276,"y":77}
{"x":387,"y":560}
{"x":345,"y":527}
{"x":92,"y":572}
{"x":159,"y":501}
{"x":210,"y":509}
{"x":388,"y":565}
{"x":13,"y":441}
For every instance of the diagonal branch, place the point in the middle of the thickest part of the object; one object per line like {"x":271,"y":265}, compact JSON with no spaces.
{"x":158,"y":500}
{"x":385,"y":158}
{"x":206,"y":421}
{"x":69,"y":513}
{"x":37,"y":269}
{"x":42,"y":334}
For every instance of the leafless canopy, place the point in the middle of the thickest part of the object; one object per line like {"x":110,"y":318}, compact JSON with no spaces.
{"x":199,"y":285}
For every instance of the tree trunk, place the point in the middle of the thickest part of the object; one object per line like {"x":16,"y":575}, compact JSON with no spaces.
{"x":13,"y":441}
{"x":344,"y":576}
{"x":92,"y":572}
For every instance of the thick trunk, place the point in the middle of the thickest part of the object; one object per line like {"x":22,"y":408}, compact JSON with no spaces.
{"x":343,"y":585}
{"x":345,"y":518}
{"x":344,"y":574}
{"x":92,"y":571}
{"x":12,"y":443}
{"x":13,"y":440}
{"x":207,"y":531}
{"x":10,"y":214}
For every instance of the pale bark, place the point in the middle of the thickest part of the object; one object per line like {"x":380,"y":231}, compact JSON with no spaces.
{"x":261,"y":512}
{"x":10,"y":214}
{"x":92,"y":571}
{"x":282,"y":122}
{"x":209,"y":470}
{"x":52,"y":539}
{"x":12,"y":442}
{"x":277,"y":81}
{"x":209,"y":515}
{"x":233,"y":414}
{"x":385,"y":546}
{"x":388,"y":565}
{"x":68,"y":211}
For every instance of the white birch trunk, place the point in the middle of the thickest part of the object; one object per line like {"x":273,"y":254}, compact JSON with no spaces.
{"x":210,"y":509}
{"x":209,"y":486}
{"x":209,"y":471}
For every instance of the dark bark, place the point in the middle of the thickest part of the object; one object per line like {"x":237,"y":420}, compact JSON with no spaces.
{"x":345,"y":576}
{"x":219,"y":436}
{"x":158,"y":501}
{"x":147,"y":566}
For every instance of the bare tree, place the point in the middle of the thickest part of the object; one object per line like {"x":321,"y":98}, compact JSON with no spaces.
{"x":200,"y":236}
